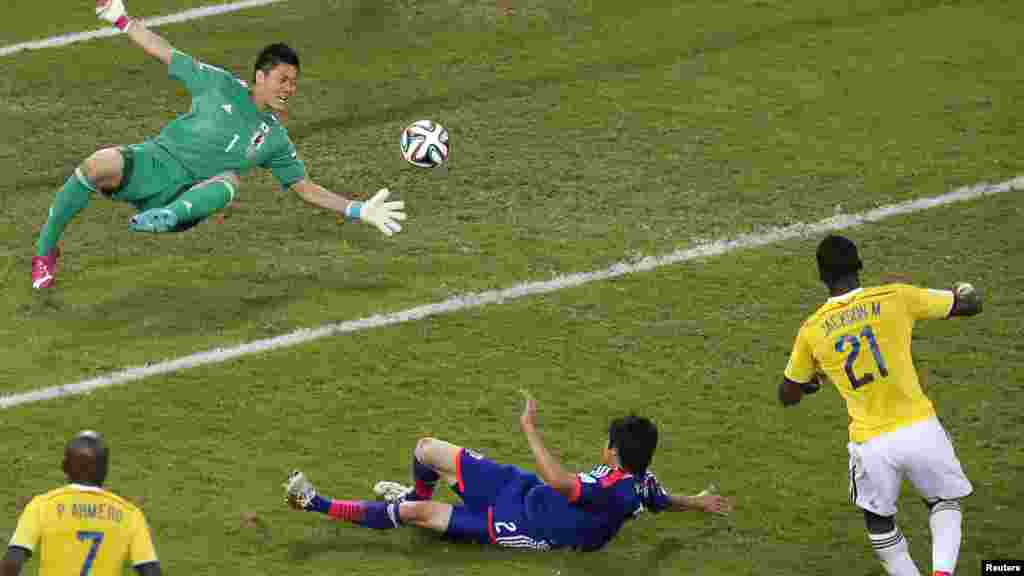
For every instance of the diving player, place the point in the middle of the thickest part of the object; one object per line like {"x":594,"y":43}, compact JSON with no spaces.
{"x":192,"y":168}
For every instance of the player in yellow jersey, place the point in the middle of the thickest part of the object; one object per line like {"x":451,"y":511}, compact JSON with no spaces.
{"x":860,"y":340}
{"x":81,"y":528}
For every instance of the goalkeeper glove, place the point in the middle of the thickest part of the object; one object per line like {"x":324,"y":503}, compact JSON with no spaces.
{"x":376,"y":211}
{"x":113,"y":11}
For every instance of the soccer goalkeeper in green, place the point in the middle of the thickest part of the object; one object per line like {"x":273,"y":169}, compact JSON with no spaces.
{"x":191,"y":169}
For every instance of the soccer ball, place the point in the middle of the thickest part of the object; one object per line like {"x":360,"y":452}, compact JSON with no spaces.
{"x":424,"y":143}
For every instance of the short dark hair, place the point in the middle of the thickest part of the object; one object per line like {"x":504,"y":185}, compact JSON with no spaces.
{"x":837,"y":258}
{"x":92,"y":457}
{"x":273,"y":55}
{"x":635,"y":439}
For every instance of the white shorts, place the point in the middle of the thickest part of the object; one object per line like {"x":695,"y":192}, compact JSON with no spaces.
{"x":922,"y":452}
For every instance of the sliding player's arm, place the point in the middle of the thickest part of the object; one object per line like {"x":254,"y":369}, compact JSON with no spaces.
{"x":681,"y":503}
{"x":705,"y":502}
{"x":114,"y":12}
{"x":801,"y":375}
{"x":376,"y":211}
{"x":657,"y":499}
{"x":549,"y":468}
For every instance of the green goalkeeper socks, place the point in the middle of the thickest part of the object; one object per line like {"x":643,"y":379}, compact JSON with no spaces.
{"x":71,"y":199}
{"x":201,"y":201}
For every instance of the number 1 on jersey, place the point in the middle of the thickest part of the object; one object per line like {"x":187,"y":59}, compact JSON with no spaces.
{"x":97,"y":539}
{"x":232,"y":145}
{"x":854,"y":343}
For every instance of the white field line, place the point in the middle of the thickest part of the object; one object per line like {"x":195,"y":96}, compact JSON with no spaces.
{"x":476,"y":300}
{"x":193,"y":14}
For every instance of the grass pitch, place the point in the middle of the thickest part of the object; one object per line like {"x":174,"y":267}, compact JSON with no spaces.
{"x":582,"y":132}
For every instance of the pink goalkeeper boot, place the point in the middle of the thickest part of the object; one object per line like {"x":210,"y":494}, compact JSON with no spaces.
{"x":44,"y":269}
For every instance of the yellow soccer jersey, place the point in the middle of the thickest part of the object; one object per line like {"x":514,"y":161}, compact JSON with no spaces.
{"x":861,"y":341}
{"x":84,"y":530}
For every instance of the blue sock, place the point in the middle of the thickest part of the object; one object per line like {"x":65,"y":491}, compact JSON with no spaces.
{"x":376,"y":515}
{"x":380,"y":515}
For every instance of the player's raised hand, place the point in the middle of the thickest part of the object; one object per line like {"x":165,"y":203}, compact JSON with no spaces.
{"x":383,"y":214}
{"x":113,"y":11}
{"x":526,"y":421}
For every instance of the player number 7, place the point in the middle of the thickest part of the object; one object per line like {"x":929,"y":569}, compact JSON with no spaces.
{"x":97,"y":539}
{"x":854,"y":343}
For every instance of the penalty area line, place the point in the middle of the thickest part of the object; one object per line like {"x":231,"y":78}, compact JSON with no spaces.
{"x":479,"y":299}
{"x":193,"y":14}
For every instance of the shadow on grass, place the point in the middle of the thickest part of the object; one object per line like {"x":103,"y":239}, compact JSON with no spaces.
{"x":433,"y":548}
{"x":439,"y":555}
{"x":250,"y":298}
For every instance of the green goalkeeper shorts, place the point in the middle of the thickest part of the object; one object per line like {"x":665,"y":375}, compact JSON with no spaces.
{"x":151,"y":177}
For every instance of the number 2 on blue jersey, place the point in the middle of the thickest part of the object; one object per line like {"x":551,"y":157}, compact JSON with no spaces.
{"x":97,"y":539}
{"x":508,"y":526}
{"x":854,"y":344}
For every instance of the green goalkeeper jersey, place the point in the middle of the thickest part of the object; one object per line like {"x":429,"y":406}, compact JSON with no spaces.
{"x":224,"y":131}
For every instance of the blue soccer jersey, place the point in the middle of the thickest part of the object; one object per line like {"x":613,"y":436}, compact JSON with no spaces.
{"x":521,"y":511}
{"x":603,"y":501}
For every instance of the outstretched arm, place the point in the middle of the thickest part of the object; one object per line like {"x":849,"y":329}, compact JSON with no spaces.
{"x":548,"y":467}
{"x":705,"y":501}
{"x":384,"y":215}
{"x":153,"y":44}
{"x":319,"y":196}
{"x":114,"y":11}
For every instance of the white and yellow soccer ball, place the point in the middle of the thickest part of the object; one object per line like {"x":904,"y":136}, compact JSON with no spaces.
{"x":424,"y":143}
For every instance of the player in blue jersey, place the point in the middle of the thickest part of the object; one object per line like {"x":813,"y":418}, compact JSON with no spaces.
{"x":508,"y":506}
